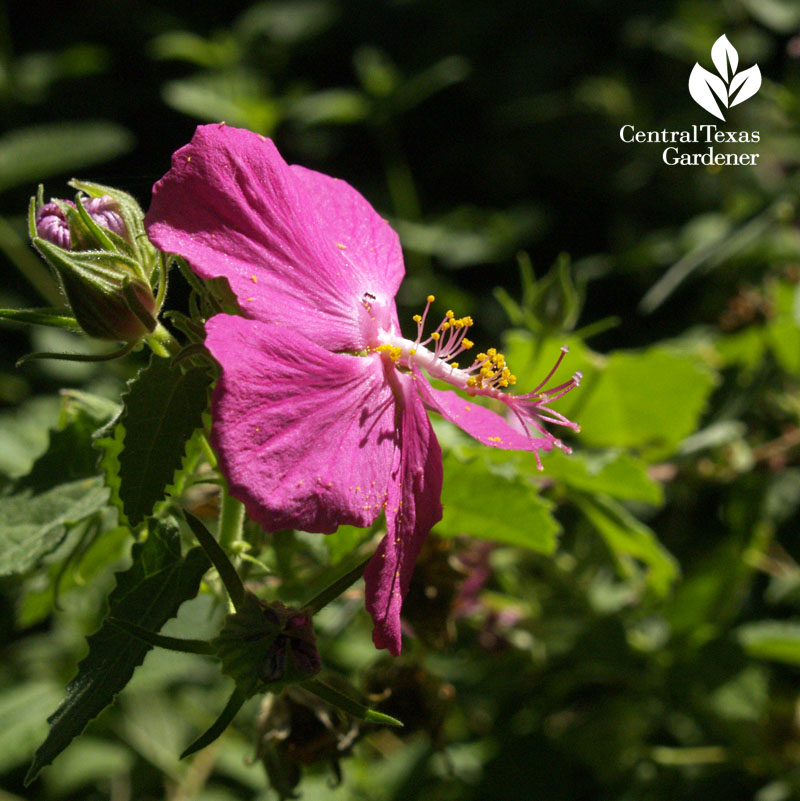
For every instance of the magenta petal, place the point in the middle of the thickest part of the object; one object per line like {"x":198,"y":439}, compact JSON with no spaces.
{"x":306,"y":438}
{"x":413,"y":507}
{"x":478,"y":421}
{"x":298,"y":247}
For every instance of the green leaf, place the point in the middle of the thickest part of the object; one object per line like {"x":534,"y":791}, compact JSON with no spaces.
{"x":59,"y":318}
{"x":480,"y":504}
{"x":344,"y":541}
{"x":70,"y":455}
{"x":776,"y":640}
{"x":38,"y":593}
{"x":32,"y":525}
{"x":23,"y":434}
{"x":616,"y":474}
{"x":631,"y":542}
{"x":30,"y":154}
{"x":149,"y":593}
{"x":650,"y":399}
{"x":22,"y":711}
{"x":144,"y":446}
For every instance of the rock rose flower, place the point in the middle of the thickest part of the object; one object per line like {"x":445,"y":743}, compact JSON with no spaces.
{"x":319,"y":416}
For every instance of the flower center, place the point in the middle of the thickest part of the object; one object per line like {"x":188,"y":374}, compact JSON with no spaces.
{"x":488,"y":374}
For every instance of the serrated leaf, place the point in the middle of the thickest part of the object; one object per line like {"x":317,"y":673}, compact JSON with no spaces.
{"x":69,"y":455}
{"x":490,"y":507}
{"x":32,"y":525}
{"x":144,"y":446}
{"x":630,"y":541}
{"x":149,"y":593}
{"x":776,"y":640}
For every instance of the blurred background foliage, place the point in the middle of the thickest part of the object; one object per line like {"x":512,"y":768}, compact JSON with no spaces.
{"x":624,"y":625}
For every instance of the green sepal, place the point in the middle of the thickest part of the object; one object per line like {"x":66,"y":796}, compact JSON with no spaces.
{"x":226,"y":717}
{"x":93,"y":282}
{"x":348,"y":704}
{"x":262,"y":649}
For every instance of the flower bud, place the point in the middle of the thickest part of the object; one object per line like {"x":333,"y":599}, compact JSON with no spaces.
{"x":97,"y":247}
{"x":265,"y":646}
{"x":52,"y":223}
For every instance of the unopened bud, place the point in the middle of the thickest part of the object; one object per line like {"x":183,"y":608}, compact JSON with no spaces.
{"x":96,"y":246}
{"x":52,"y":223}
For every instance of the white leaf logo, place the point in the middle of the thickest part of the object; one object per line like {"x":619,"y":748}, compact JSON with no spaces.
{"x":714,"y":93}
{"x":703,"y":85}
{"x":722,"y":54}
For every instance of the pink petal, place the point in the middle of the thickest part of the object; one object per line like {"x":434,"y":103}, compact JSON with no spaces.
{"x":412,"y":509}
{"x":478,"y":421}
{"x":305,"y":437}
{"x":298,"y":247}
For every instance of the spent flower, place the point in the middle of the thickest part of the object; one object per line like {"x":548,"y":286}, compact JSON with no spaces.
{"x":320,"y":413}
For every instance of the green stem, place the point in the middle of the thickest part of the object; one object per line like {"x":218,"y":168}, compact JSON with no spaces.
{"x":162,"y":641}
{"x":231,"y":520}
{"x":161,"y":342}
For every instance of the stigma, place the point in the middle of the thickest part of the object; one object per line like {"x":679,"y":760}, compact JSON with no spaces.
{"x":486,"y":375}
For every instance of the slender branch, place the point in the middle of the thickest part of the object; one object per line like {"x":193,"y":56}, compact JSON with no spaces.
{"x":227,"y":572}
{"x":171,"y":643}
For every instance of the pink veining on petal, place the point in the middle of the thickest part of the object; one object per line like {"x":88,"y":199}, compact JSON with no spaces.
{"x":412,"y":509}
{"x":305,"y":437}
{"x":297,"y":247}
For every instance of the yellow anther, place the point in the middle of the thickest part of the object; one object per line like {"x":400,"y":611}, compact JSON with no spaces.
{"x":503,"y":383}
{"x":417,"y":318}
{"x":467,"y":321}
{"x":467,"y":343}
{"x":512,"y":379}
{"x":431,"y":298}
{"x":481,"y":357}
{"x":449,"y":314}
{"x":445,"y":326}
{"x":492,"y":352}
{"x":412,"y":352}
{"x":435,"y":336}
{"x":471,"y":381}
{"x":454,"y":365}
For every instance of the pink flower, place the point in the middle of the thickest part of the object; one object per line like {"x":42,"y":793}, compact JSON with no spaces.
{"x":319,"y":417}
